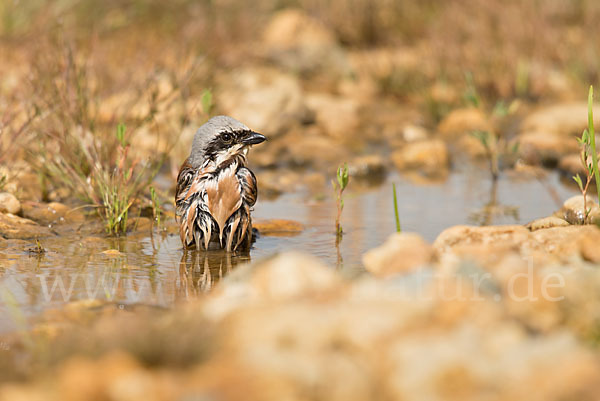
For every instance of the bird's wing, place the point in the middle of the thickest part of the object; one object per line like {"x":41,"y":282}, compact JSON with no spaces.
{"x":184,"y":180}
{"x":249,"y":187}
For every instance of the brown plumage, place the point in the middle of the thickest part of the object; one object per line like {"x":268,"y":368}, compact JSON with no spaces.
{"x":215,"y":190}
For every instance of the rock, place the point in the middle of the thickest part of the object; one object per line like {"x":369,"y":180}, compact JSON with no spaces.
{"x":51,"y":213}
{"x":401,"y":253}
{"x":545,"y":148}
{"x":571,"y":165}
{"x":338,"y":116}
{"x":429,"y":156}
{"x":9,"y":203}
{"x":573,"y":210}
{"x":265,"y":99}
{"x":113,"y":253}
{"x":565,"y":243}
{"x":512,"y":236}
{"x":547,"y":222}
{"x":313,"y":148}
{"x":278,"y":227}
{"x":414,"y":133}
{"x":463,"y":122}
{"x":280,"y":277}
{"x":564,"y":119}
{"x":371,"y":168}
{"x":14,"y":227}
{"x":139,"y":224}
{"x":300,"y":43}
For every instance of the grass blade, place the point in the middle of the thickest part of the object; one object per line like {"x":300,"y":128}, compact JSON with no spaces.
{"x":398,"y":228}
{"x":593,"y":139}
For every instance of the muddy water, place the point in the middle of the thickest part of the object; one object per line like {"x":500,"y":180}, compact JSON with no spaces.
{"x":151,"y":268}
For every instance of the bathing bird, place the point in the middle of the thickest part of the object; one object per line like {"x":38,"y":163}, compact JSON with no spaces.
{"x":215,"y":189}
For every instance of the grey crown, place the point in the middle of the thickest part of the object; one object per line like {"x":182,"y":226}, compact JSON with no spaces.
{"x":207,"y":132}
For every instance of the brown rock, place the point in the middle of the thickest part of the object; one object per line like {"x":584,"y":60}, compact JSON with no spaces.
{"x":338,"y":116}
{"x":462,"y":122}
{"x":299,"y":42}
{"x":401,"y":253}
{"x":265,"y":99}
{"x":574,"y":212}
{"x":565,"y":119}
{"x":51,"y":213}
{"x":510,"y":235}
{"x":278,"y":227}
{"x":9,"y":203}
{"x":429,"y":156}
{"x":13,"y":227}
{"x":547,"y":222}
{"x":368,"y":167}
{"x":571,"y":164}
{"x":537,"y":147}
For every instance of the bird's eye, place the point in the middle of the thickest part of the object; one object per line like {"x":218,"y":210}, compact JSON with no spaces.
{"x":226,"y":137}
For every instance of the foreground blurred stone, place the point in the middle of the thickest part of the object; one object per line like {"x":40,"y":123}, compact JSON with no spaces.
{"x":401,"y":253}
{"x":289,"y":327}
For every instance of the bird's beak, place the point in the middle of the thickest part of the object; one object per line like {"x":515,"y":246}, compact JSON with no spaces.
{"x":254,"y":138}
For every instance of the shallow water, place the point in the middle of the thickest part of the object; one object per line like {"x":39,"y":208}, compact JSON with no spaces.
{"x":152,"y":268}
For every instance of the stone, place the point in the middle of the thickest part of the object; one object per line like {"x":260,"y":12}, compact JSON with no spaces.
{"x":511,"y":235}
{"x":51,"y":213}
{"x":463,"y":122}
{"x":9,"y":203}
{"x":265,"y":99}
{"x":278,"y":227}
{"x":430,"y":156}
{"x":14,"y":227}
{"x":564,"y":119}
{"x":300,"y":43}
{"x":571,"y":165}
{"x":401,"y":253}
{"x":338,"y":116}
{"x":546,"y":148}
{"x":371,"y":168}
{"x":573,"y":210}
{"x":547,"y":222}
{"x":414,"y":133}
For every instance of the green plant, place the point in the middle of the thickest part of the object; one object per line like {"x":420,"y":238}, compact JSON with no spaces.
{"x":396,"y":214}
{"x":156,"y":208}
{"x":342,"y":177}
{"x":495,"y":147}
{"x":3,"y":180}
{"x":589,"y":157}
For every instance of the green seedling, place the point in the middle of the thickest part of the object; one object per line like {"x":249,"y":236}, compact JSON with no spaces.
{"x":156,"y":209}
{"x":589,"y":157}
{"x":396,"y":214}
{"x":342,"y":176}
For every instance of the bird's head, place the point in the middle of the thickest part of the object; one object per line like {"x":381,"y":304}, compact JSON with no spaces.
{"x":220,"y":139}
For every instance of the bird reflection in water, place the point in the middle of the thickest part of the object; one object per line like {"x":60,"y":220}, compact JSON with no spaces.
{"x":200,"y":270}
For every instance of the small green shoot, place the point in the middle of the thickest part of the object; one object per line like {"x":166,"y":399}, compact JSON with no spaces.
{"x":489,"y":140}
{"x":470,"y":94}
{"x":121,"y":135}
{"x":592,"y":139}
{"x":156,"y":209}
{"x":589,"y":157}
{"x":339,"y":187}
{"x":3,"y":181}
{"x":398,"y":228}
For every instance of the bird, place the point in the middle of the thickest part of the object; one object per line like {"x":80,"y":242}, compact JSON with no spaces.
{"x":215,"y":190}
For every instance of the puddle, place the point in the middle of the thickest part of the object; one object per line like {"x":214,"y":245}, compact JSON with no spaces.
{"x":153,"y":269}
